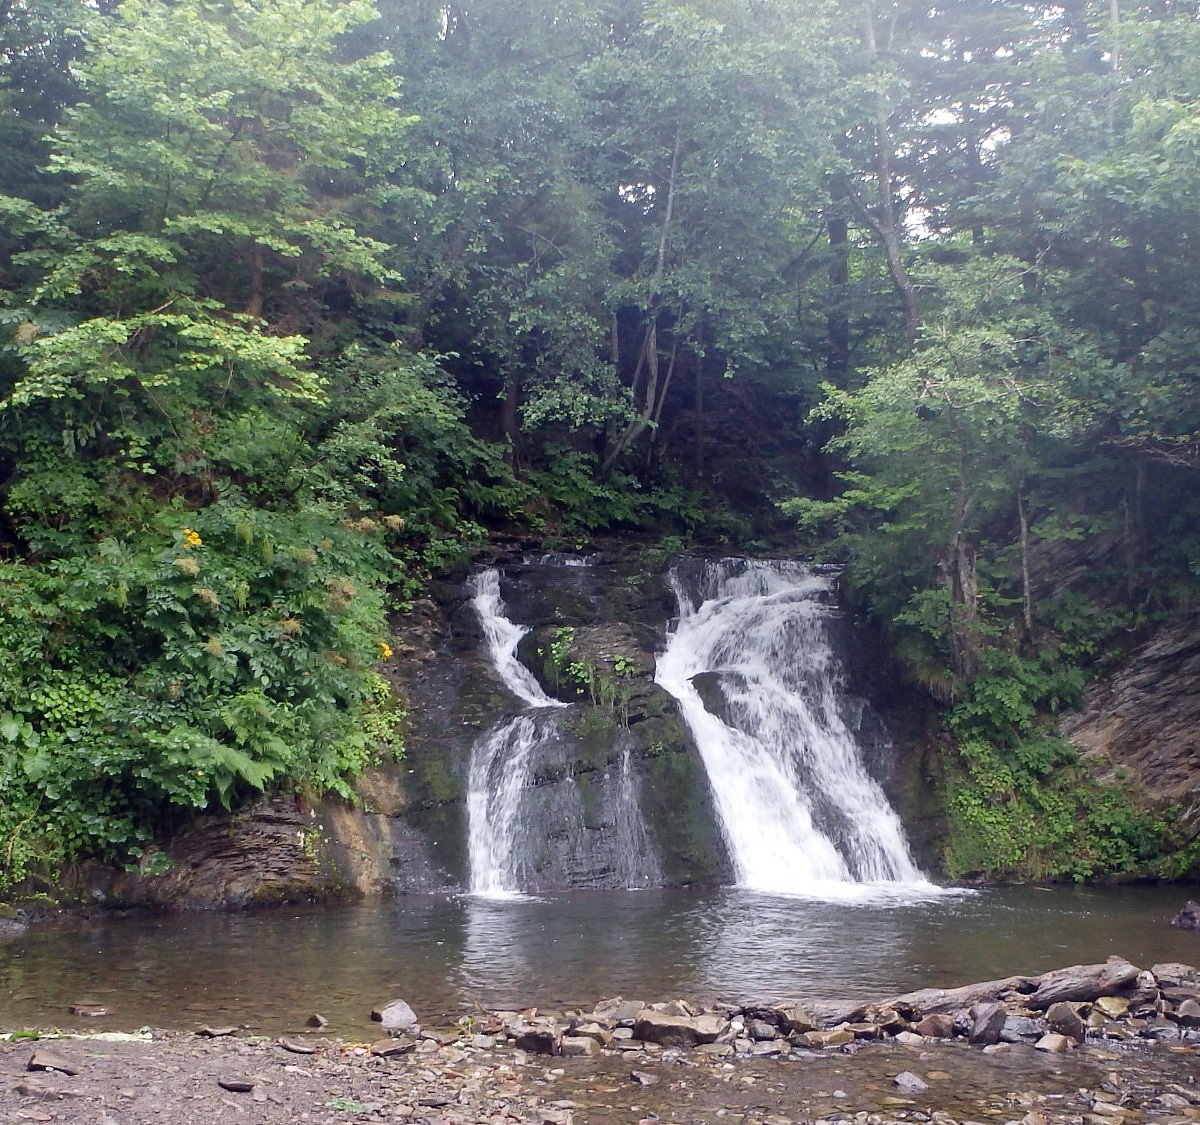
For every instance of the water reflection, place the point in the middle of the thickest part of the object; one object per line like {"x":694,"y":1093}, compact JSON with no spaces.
{"x":448,"y":956}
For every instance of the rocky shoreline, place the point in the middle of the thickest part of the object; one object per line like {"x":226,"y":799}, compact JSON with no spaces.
{"x":1085,"y":1044}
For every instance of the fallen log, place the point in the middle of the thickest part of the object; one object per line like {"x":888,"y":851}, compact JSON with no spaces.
{"x":1083,"y":982}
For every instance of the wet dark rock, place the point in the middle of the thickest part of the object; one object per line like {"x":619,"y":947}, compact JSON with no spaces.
{"x":1188,"y":918}
{"x":1188,"y":1012}
{"x":1064,"y":1019}
{"x":669,"y":1030}
{"x":538,"y":1038}
{"x":317,"y":1020}
{"x":1161,"y":1028}
{"x":220,"y":1032}
{"x":987,"y":1021}
{"x":1021,"y":1029}
{"x":761,"y":1030}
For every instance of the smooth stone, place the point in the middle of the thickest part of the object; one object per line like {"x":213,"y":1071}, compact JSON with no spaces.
{"x":482,"y":1042}
{"x":1188,"y":1013}
{"x":910,"y":1082}
{"x":761,"y":1030}
{"x":1055,"y":1043}
{"x":236,"y":1085}
{"x":1112,"y":1006}
{"x":643,"y":1078}
{"x":910,"y":1039}
{"x":579,"y":1046}
{"x":217,"y":1032}
{"x":396,"y":1015}
{"x":297,"y":1046}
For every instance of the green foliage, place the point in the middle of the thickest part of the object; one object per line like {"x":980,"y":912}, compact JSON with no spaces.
{"x":182,"y":664}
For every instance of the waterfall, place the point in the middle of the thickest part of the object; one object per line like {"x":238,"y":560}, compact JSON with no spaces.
{"x":501,"y":760}
{"x":531,"y":824}
{"x":798,"y":809}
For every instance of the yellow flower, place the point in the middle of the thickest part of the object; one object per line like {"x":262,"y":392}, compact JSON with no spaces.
{"x":191,"y":539}
{"x":386,"y":649}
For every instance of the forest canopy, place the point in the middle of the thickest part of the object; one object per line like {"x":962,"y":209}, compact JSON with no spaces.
{"x":301,"y":298}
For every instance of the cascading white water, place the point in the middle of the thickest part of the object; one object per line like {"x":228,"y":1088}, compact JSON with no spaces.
{"x":501,"y":759}
{"x":503,"y":636}
{"x":797,"y":807}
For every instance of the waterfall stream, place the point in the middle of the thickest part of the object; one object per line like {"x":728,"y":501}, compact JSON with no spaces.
{"x":751,"y":666}
{"x":530,"y":821}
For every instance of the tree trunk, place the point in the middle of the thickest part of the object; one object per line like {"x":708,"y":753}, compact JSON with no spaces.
{"x":510,"y":418}
{"x":254,"y":306}
{"x":837,"y":353}
{"x":649,"y":352}
{"x":882,"y":219}
{"x":1026,"y":584}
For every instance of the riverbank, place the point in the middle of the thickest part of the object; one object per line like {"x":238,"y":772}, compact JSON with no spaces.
{"x":1107,"y":1043}
{"x":181,"y":1078}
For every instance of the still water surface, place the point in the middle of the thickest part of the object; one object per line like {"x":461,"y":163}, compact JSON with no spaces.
{"x":448,"y":956}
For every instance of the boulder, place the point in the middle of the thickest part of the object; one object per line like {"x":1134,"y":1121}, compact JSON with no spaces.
{"x":1188,"y":1013}
{"x":579,"y":1046}
{"x":987,"y":1021}
{"x":910,"y":1083}
{"x":618,"y":1011}
{"x":397,"y":1016}
{"x":541,"y":1038}
{"x":1114,"y":1007}
{"x":1054,"y":1043}
{"x":652,"y":1026}
{"x":1172,"y":974}
{"x":1021,"y":1029}
{"x":796,"y":1019}
{"x":1064,"y":1019}
{"x":761,"y":1031}
{"x":1188,"y":918}
{"x":936,"y":1025}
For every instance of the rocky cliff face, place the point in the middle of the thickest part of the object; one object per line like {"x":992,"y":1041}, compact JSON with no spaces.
{"x":1140,"y":725}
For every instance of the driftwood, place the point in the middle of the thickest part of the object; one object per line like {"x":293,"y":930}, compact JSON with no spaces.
{"x":1084,"y":982}
{"x":1076,"y":984}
